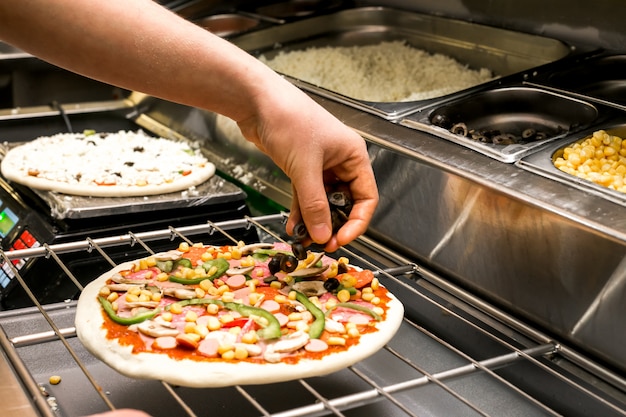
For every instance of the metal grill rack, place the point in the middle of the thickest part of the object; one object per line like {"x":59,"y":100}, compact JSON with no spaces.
{"x":454,"y":355}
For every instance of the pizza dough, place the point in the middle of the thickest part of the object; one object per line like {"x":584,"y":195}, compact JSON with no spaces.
{"x":121,"y":164}
{"x":216,"y":372}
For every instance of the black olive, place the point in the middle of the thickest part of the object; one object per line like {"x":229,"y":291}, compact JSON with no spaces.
{"x":528,"y":133}
{"x":298,"y":250}
{"x":441,"y":120}
{"x":459,"y":129}
{"x":274,"y":263}
{"x":299,"y":231}
{"x":331,"y":284}
{"x":339,"y":199}
{"x":288,"y":263}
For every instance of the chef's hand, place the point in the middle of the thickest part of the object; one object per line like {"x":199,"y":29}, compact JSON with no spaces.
{"x":317,"y":152}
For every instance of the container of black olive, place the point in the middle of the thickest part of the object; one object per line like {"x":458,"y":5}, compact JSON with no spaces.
{"x":506,"y":123}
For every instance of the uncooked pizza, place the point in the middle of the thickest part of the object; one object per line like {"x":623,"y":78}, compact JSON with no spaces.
{"x":120,"y":164}
{"x":207,"y":316}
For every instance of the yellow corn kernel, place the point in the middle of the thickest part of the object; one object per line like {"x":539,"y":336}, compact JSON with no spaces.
{"x":183,"y":247}
{"x":336,"y":341}
{"x":241,"y":353}
{"x":191,"y":316}
{"x":343,"y":296}
{"x":332,"y":270}
{"x":291,"y":295}
{"x":131,"y":298}
{"x":375,"y":300}
{"x":114,"y":305}
{"x":236,"y":253}
{"x":276,"y":284}
{"x":223,"y":289}
{"x":250,"y":337}
{"x":294,"y":316}
{"x":248,"y":261}
{"x":367,"y":296}
{"x":199,"y":272}
{"x":206,"y":284}
{"x":55,"y":379}
{"x":176,"y":308}
{"x":206,"y":256}
{"x":354,"y":332}
{"x":143,"y":264}
{"x":226,"y":318}
{"x":348,"y":280}
{"x":378,"y":310}
{"x":194,"y":337}
{"x":112,"y":297}
{"x":213,"y":323}
{"x":302,"y":326}
{"x":162,"y":277}
{"x":212,"y":308}
{"x":260,"y":273}
{"x":197,"y":244}
{"x":254,"y":298}
{"x":201,"y":330}
{"x":145,"y":297}
{"x":234,"y":330}
{"x":281,"y":299}
{"x":190,"y":327}
{"x":375,"y":284}
{"x":228,"y":297}
{"x":104,"y":292}
{"x":134,"y":291}
{"x":167,"y":316}
{"x":228,"y":355}
{"x":223,"y":348}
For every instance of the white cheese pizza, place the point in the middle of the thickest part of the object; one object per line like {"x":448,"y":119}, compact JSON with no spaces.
{"x":119,"y":164}
{"x":206,"y":316}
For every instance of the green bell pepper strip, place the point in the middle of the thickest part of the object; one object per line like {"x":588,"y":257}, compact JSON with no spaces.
{"x":317,"y":327}
{"x":356,"y":307}
{"x":126,"y":321}
{"x":271,"y":331}
{"x":221,"y":264}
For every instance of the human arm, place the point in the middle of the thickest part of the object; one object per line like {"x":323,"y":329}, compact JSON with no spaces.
{"x":141,"y":46}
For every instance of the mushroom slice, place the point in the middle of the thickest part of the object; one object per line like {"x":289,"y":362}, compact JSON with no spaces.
{"x":290,"y":343}
{"x":247,"y":249}
{"x":240,"y":270}
{"x":318,"y":257}
{"x":308,"y":272}
{"x":151,"y":328}
{"x":147,"y":304}
{"x":121,"y":280}
{"x":123,"y":287}
{"x":170,"y":255}
{"x":310,"y":288}
{"x":180,"y":293}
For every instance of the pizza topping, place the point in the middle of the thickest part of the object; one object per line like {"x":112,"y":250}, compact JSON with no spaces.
{"x":244,"y":302}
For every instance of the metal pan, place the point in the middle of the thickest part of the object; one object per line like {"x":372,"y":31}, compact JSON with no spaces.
{"x":504,"y":52}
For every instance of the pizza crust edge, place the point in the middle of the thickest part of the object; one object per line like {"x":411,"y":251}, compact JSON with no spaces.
{"x":190,"y":373}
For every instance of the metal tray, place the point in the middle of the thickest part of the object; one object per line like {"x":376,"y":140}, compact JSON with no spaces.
{"x":504,"y":52}
{"x":542,"y":162}
{"x":601,"y":77}
{"x":507,"y":110}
